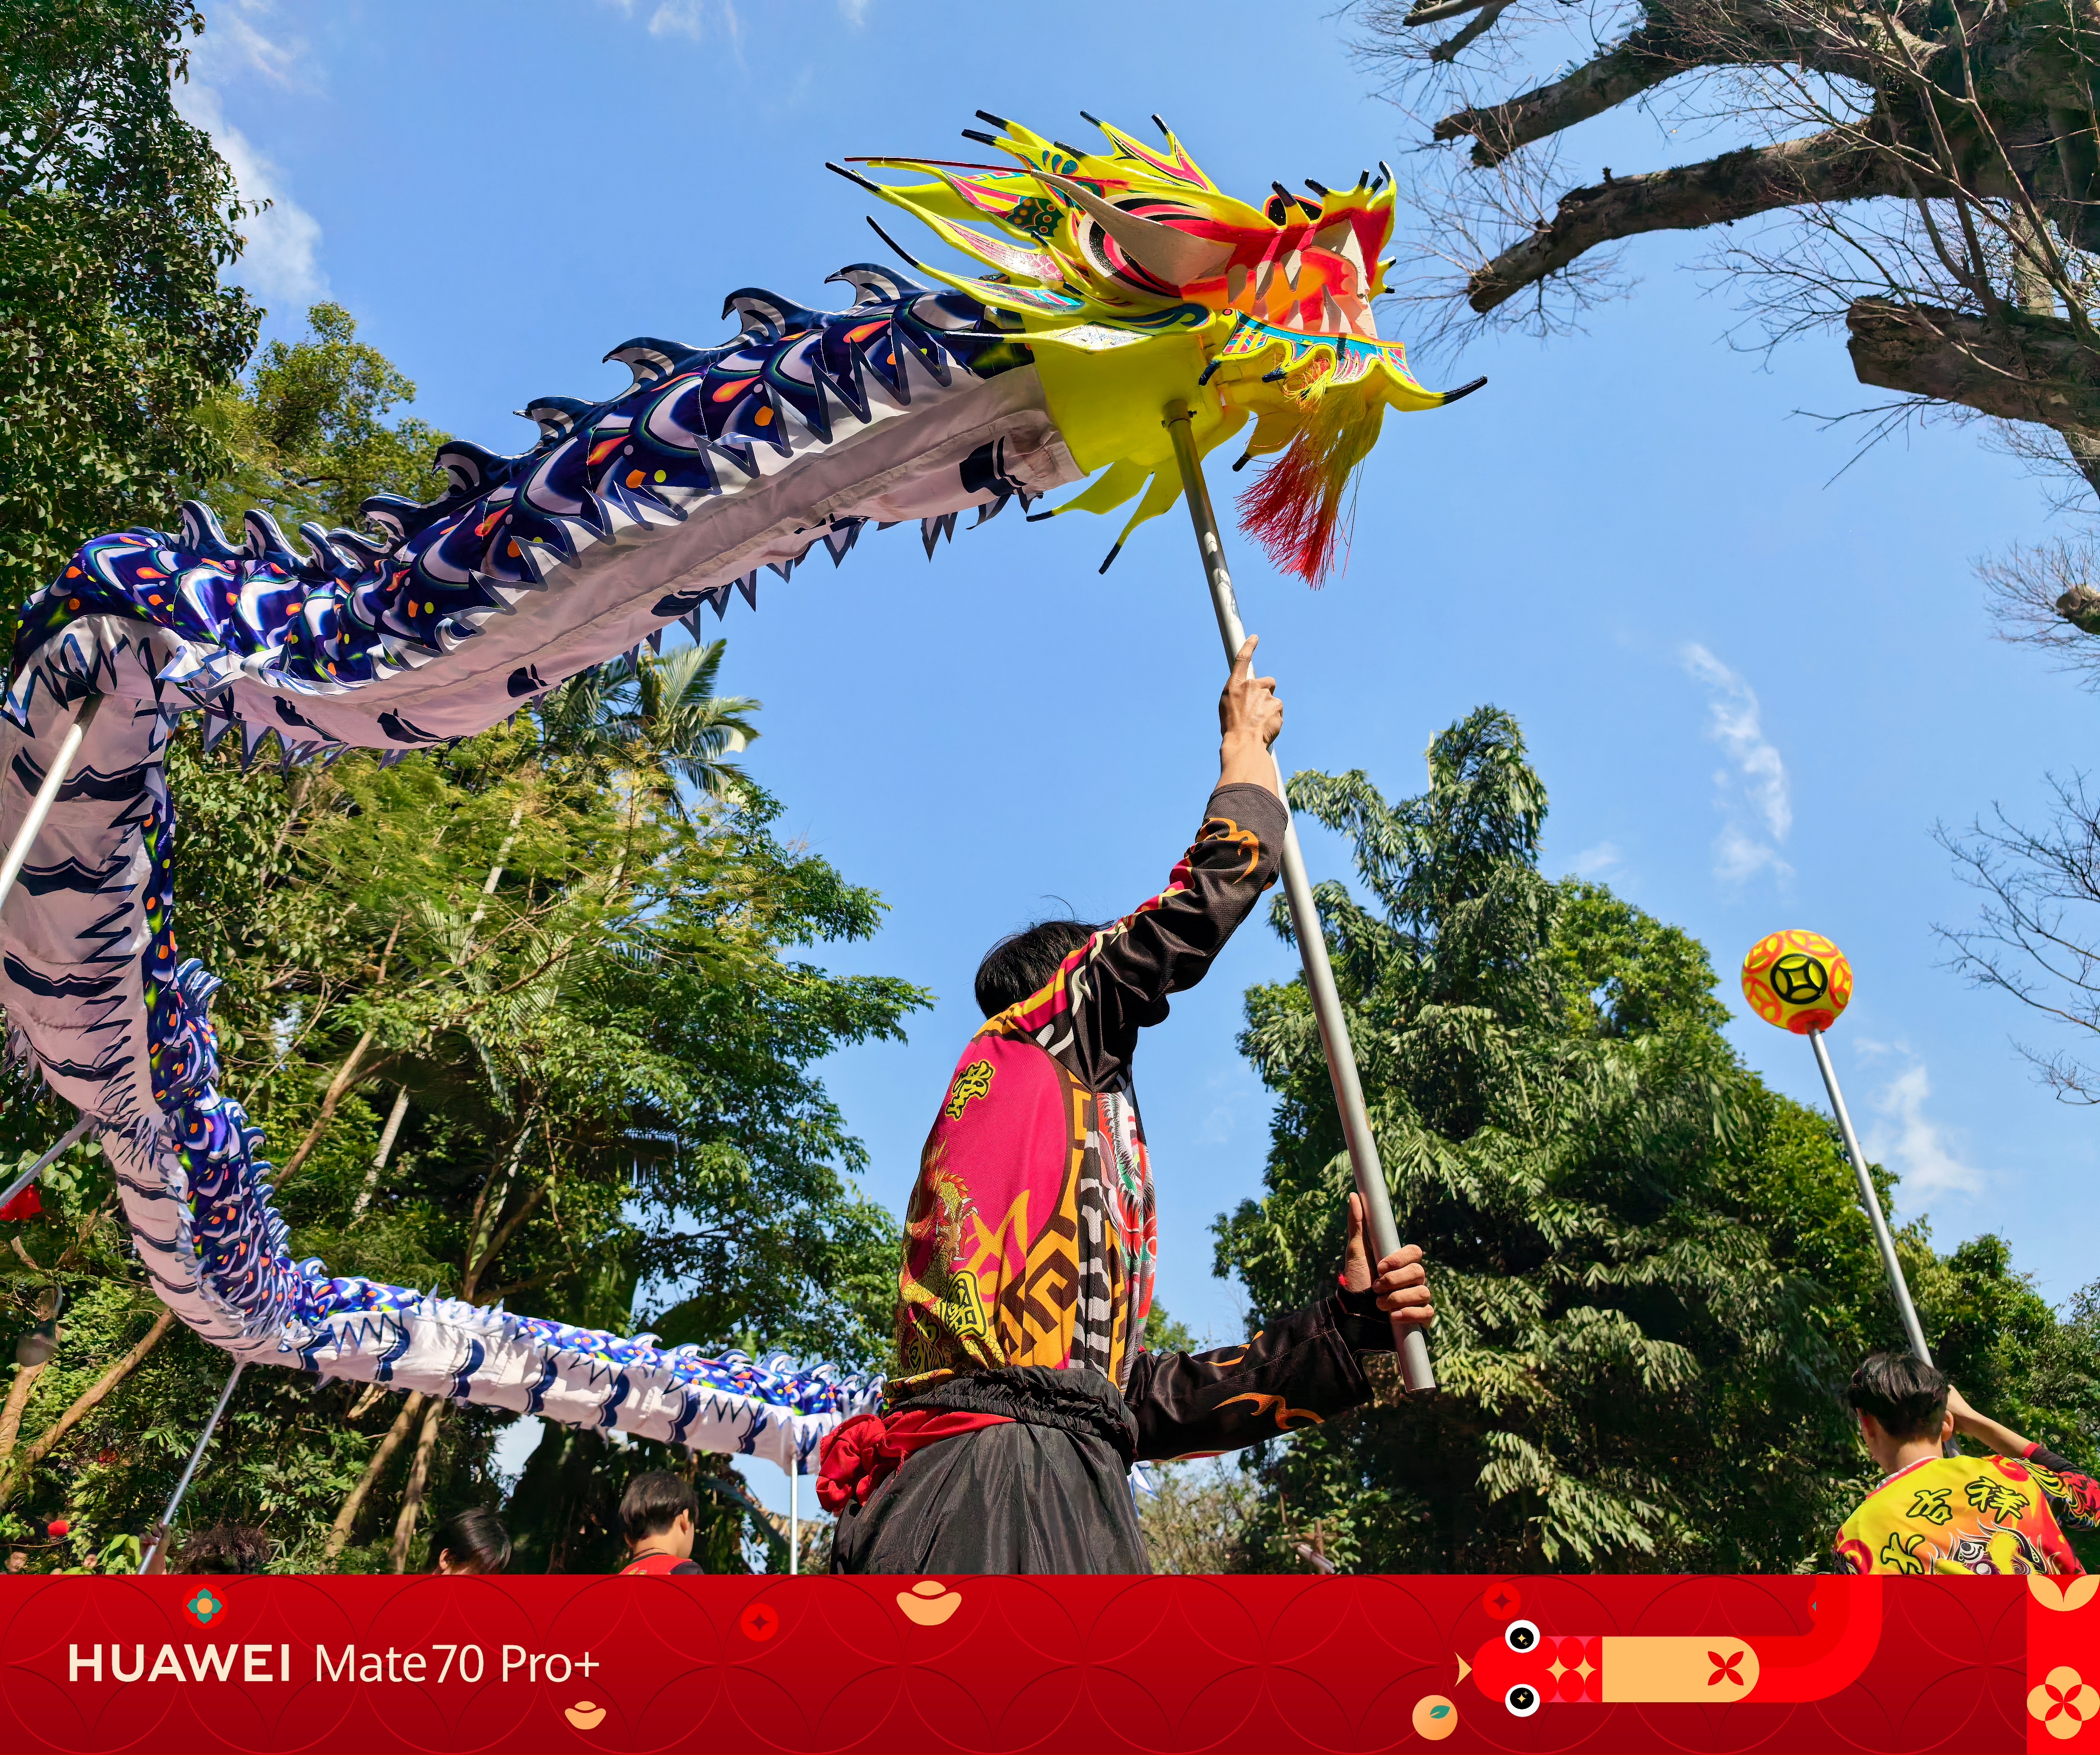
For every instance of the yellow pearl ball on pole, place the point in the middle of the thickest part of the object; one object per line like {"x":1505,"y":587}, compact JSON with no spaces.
{"x":1801,"y":982}
{"x":1796,"y":981}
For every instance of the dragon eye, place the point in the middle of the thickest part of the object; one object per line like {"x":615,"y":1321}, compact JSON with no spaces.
{"x":1522,"y":1700}
{"x":1521,"y":1636}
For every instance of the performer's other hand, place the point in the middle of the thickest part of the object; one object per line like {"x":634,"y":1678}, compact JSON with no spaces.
{"x":1402,"y":1283}
{"x":1249,"y":718}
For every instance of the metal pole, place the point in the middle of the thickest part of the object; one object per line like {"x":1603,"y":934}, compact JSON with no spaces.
{"x":794,"y":1542}
{"x":197,"y":1456}
{"x":44,"y":1163}
{"x":1304,"y":915}
{"x":40,"y":806}
{"x":1872,"y":1201}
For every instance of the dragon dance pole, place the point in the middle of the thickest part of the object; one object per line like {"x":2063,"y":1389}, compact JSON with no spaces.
{"x":197,"y":1456}
{"x":44,"y":1163}
{"x":1899,"y":1288}
{"x":40,"y":806}
{"x":1801,"y":982}
{"x":1415,"y":1365}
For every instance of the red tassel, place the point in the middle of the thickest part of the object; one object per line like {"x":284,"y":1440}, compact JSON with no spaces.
{"x":1294,"y":510}
{"x":1286,"y":511}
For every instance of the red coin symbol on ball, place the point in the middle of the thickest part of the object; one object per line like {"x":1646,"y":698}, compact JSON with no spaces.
{"x":759,"y":1622}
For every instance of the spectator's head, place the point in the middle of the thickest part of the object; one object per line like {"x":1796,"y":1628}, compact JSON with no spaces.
{"x":473,"y":1540}
{"x":225,"y":1548}
{"x":17,"y":1561}
{"x":1022,"y":962}
{"x":657,"y":1512}
{"x":1900,"y":1400}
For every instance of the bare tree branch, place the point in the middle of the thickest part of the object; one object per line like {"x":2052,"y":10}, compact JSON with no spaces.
{"x":2018,"y":366}
{"x":1826,"y":167}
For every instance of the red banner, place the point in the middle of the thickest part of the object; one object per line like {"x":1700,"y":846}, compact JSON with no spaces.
{"x":982,"y":1665}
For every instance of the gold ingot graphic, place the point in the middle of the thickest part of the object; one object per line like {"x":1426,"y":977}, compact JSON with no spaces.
{"x":929,"y":1602}
{"x":585,"y":1715}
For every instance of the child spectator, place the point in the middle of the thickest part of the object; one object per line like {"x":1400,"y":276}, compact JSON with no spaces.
{"x":1934,"y":1513}
{"x":657,"y":1515}
{"x":472,"y":1543}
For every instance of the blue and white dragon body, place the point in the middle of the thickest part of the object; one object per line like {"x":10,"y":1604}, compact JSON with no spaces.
{"x":627,"y":517}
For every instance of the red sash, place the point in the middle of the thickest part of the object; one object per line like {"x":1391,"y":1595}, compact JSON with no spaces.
{"x":861,"y":1453}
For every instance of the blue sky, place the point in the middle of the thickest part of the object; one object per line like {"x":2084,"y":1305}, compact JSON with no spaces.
{"x":1751,"y":695}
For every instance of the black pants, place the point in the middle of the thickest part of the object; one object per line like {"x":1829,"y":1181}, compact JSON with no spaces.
{"x":1048,"y":1494}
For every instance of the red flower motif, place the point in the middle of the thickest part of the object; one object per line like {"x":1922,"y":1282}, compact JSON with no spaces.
{"x":1725,"y":1669}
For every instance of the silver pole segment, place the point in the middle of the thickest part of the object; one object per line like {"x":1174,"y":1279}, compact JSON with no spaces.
{"x":40,"y":806}
{"x":1414,"y":1366}
{"x":45,"y":1161}
{"x":1872,"y":1201}
{"x":794,"y":1510}
{"x":197,"y":1456}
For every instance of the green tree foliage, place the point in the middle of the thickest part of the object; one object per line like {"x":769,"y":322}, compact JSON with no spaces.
{"x":572,"y":956}
{"x":308,"y":434}
{"x":586,"y":979}
{"x":115,"y":216}
{"x":1651,"y":1272}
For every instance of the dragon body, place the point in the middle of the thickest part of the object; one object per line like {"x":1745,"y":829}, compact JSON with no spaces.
{"x":628,"y":515}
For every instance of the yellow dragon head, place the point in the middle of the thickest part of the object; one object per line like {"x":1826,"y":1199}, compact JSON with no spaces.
{"x":1139,"y":285}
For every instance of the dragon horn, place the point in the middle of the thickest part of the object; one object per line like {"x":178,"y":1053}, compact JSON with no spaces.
{"x":1162,"y":252}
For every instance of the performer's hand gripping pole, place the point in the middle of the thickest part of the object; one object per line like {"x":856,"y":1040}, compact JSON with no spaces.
{"x":1305,"y":916}
{"x":1899,"y":1288}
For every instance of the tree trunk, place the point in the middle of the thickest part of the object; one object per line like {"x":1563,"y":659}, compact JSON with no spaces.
{"x":419,"y":1476}
{"x":2031,"y":368}
{"x":341,"y":1082}
{"x":337,"y":1086}
{"x":379,"y":1159}
{"x":347,"y":1519}
{"x":18,"y":1398}
{"x":89,"y":1400}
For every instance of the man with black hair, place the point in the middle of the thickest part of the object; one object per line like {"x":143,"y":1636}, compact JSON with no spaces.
{"x":231,"y":1549}
{"x":1023,"y":1392}
{"x":472,"y":1543}
{"x":657,"y":1513}
{"x":1934,"y":1513}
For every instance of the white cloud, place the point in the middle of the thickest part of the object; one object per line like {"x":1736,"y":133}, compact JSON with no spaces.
{"x":282,"y":263}
{"x":854,"y":11}
{"x":282,"y":260}
{"x":1919,"y":1149}
{"x":1594,"y":862}
{"x":697,"y":19}
{"x":1752,"y":793}
{"x":230,"y":46}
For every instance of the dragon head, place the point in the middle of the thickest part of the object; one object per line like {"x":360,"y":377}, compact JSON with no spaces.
{"x":1240,"y":312}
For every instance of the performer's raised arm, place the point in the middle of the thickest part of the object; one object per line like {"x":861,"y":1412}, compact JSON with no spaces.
{"x":1088,"y":1014}
{"x":2073,"y":1496}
